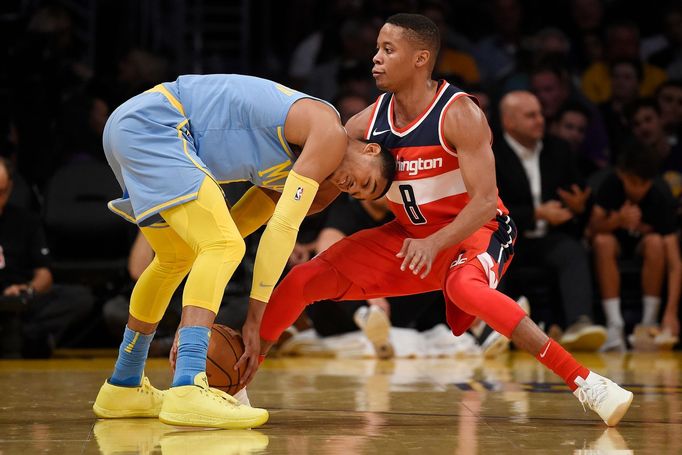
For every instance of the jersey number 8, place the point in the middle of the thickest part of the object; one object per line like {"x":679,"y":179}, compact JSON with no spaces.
{"x":410,"y":204}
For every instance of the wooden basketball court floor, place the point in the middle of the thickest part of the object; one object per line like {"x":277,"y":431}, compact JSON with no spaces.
{"x":457,"y":406}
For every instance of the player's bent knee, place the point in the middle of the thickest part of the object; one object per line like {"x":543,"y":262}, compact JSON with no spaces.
{"x":232,"y":247}
{"x":653,"y":244}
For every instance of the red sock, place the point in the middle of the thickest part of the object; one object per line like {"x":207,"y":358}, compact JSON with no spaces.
{"x":557,"y":359}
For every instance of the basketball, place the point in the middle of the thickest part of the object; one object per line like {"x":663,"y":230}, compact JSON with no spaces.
{"x":224,"y":350}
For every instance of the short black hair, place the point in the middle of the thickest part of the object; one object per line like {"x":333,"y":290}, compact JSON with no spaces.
{"x":573,"y":106}
{"x":420,"y":29}
{"x":643,"y":103}
{"x":677,"y":83}
{"x":387,"y":167}
{"x":638,"y":159}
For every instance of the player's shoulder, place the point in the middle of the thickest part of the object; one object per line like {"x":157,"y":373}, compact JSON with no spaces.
{"x":356,"y":126}
{"x":461,"y":118}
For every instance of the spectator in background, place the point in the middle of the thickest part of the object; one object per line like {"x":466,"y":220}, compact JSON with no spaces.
{"x":358,"y":42}
{"x":452,"y":62}
{"x":496,"y":55}
{"x":622,"y":43}
{"x":669,"y":98}
{"x":647,"y":126}
{"x":551,"y":82}
{"x":571,"y":125}
{"x":25,"y":273}
{"x":539,"y":182}
{"x":586,"y":25}
{"x":322,"y":44}
{"x":633,"y":215}
{"x":626,"y":77}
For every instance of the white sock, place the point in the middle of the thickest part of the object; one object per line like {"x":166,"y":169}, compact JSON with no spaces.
{"x":650,"y":310}
{"x":612,"y":312}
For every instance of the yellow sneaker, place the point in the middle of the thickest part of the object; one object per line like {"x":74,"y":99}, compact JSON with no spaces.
{"x":116,"y":402}
{"x":224,"y":442}
{"x":141,"y":436}
{"x":200,"y":406}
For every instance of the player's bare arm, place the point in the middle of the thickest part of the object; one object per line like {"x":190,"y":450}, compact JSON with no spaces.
{"x":466,"y":130}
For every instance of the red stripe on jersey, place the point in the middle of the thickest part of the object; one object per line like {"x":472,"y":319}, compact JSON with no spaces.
{"x":421,"y":162}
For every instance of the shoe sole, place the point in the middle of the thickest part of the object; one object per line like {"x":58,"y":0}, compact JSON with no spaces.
{"x":377,"y":329}
{"x":590,"y":341}
{"x":198,"y":420}
{"x":620,"y":411}
{"x":104,"y":413}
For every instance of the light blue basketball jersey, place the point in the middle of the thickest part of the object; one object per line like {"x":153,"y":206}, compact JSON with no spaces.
{"x":161,"y":144}
{"x":237,"y":123}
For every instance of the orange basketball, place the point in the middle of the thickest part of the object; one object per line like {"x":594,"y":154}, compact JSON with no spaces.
{"x":224,"y":350}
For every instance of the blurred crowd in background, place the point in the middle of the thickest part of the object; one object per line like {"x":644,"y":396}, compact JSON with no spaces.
{"x":589,"y":89}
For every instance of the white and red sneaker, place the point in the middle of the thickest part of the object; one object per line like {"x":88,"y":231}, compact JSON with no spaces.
{"x":604,"y":397}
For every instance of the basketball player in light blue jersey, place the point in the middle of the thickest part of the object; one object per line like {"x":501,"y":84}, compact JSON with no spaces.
{"x":170,"y":148}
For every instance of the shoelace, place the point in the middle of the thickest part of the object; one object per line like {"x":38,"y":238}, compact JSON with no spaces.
{"x":219,"y":395}
{"x":592,"y":394}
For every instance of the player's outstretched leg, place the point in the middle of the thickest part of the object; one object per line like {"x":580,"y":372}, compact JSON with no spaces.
{"x":468,"y":288}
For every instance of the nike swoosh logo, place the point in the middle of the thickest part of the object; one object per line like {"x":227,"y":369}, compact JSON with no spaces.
{"x":263,"y":285}
{"x":376,"y":133}
{"x":542,"y":356}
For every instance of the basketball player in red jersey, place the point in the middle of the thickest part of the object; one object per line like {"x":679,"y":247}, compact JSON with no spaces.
{"x":451,"y":232}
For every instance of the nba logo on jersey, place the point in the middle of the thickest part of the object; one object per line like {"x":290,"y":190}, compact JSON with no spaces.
{"x":299,"y":194}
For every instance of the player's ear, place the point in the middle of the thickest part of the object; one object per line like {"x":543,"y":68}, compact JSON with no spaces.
{"x":371,"y":148}
{"x":423,"y":57}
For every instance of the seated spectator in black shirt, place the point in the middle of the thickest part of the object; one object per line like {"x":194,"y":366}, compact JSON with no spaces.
{"x":669,"y":99}
{"x":571,"y":126}
{"x":25,"y":274}
{"x":539,"y":182}
{"x":648,"y":128}
{"x":633,"y":214}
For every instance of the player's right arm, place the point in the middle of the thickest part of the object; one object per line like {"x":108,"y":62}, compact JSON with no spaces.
{"x":316,"y":127}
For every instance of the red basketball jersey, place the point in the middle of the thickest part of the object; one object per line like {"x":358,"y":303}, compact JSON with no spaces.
{"x":428,"y":188}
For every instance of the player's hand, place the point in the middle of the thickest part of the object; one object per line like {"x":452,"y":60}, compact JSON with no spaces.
{"x":418,"y":255}
{"x":575,"y":198}
{"x":630,"y":216}
{"x":553,"y":212}
{"x":15,"y":290}
{"x":251,"y":337}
